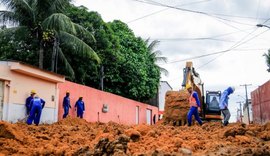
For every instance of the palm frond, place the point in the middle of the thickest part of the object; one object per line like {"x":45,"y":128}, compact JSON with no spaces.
{"x":147,"y":41}
{"x":58,"y":6}
{"x":59,"y":22}
{"x":164,"y":71}
{"x":13,"y":30}
{"x":48,"y":7}
{"x":22,"y":10}
{"x":80,"y":47}
{"x":66,"y":63}
{"x":153,"y":45}
{"x":267,"y":58}
{"x":81,"y":30}
{"x":7,"y":16}
{"x":161,"y":59}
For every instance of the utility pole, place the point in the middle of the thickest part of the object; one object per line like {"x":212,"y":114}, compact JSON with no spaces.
{"x":101,"y":77}
{"x":245,"y":85}
{"x":240,"y":111}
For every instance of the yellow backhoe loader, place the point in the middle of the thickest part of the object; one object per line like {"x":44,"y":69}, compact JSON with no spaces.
{"x":177,"y":102}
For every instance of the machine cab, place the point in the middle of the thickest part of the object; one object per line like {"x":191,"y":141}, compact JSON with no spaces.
{"x":212,"y":102}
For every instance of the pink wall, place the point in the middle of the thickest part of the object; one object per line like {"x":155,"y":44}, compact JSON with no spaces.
{"x":260,"y":99}
{"x":121,"y":110}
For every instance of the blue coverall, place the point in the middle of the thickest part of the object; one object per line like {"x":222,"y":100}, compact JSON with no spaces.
{"x":66,"y":106}
{"x":37,"y":104}
{"x":80,"y":108}
{"x":223,"y":105}
{"x":28,"y":103}
{"x":194,"y":110}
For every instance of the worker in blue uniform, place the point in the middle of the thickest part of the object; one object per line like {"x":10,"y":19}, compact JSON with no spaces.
{"x":194,"y":103}
{"x":37,"y":104}
{"x":66,"y":104}
{"x":80,"y":107}
{"x":28,"y":101}
{"x":223,"y":104}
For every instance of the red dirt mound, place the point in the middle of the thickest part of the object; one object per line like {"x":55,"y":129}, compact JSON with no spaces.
{"x":78,"y":137}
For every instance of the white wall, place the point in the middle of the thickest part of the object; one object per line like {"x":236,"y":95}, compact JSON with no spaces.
{"x":245,"y":114}
{"x":17,"y":87}
{"x":163,"y":88}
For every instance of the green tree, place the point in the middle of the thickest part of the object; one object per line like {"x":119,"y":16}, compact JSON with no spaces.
{"x":139,"y":74}
{"x":106,"y":46}
{"x":267,"y":59}
{"x":128,"y":69}
{"x":156,"y":55}
{"x":17,"y":45}
{"x":50,"y":27}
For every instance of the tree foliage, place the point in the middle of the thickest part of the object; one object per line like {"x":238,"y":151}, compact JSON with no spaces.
{"x":50,"y":28}
{"x":128,"y":68}
{"x":129,"y":64}
{"x":267,"y":59}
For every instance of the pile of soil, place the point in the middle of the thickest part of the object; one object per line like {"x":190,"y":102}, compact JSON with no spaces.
{"x":176,"y":107}
{"x":74,"y":136}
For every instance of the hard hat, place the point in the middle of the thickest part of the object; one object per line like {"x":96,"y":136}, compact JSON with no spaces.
{"x":233,"y":88}
{"x":67,"y":91}
{"x":188,"y":86}
{"x":33,"y":92}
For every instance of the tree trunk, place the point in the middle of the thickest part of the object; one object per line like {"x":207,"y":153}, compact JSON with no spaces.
{"x":54,"y":55}
{"x":41,"y":56}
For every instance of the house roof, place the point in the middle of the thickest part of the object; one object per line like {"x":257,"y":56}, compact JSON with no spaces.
{"x":167,"y":84}
{"x":33,"y":71}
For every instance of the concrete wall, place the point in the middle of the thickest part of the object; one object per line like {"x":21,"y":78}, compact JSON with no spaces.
{"x":17,"y":87}
{"x":261,"y":103}
{"x":121,"y":110}
{"x":245,"y":114}
{"x":163,"y":88}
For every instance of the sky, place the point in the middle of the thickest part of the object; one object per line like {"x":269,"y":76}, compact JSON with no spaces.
{"x":190,"y":28}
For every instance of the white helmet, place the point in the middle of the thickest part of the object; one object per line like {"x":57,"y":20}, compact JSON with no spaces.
{"x":233,"y":88}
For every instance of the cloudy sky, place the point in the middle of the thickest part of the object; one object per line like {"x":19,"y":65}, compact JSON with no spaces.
{"x":190,"y":28}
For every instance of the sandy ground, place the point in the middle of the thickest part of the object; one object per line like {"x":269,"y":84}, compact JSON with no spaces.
{"x":78,"y":137}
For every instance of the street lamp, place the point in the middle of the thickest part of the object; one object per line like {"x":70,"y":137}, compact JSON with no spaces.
{"x":241,"y":115}
{"x":262,"y":25}
{"x":241,"y":97}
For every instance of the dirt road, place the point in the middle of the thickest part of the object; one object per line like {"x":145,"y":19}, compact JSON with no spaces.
{"x":78,"y":137}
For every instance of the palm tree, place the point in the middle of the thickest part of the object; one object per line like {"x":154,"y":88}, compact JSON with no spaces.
{"x":156,"y":55}
{"x":267,"y":59}
{"x":48,"y":24}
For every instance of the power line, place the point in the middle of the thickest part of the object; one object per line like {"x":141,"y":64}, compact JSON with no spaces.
{"x":210,"y":61}
{"x":218,"y":14}
{"x":156,"y":12}
{"x":193,"y":11}
{"x":215,"y":37}
{"x":266,"y":21}
{"x":233,"y":47}
{"x":193,"y":39}
{"x":257,"y":12}
{"x":220,"y":52}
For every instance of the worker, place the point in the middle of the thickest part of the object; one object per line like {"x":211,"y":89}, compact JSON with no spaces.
{"x":28,"y":101}
{"x":37,"y":104}
{"x":223,"y":104}
{"x":194,"y":103}
{"x":66,"y":104}
{"x":214,"y":103}
{"x":80,"y":107}
{"x":154,"y":119}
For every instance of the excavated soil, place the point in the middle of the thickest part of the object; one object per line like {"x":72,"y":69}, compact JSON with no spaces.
{"x":78,"y":137}
{"x":176,"y":107}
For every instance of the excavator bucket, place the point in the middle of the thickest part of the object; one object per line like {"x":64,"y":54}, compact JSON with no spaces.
{"x":176,"y":107}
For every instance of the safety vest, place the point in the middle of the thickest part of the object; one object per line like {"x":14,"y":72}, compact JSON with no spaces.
{"x":192,"y":101}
